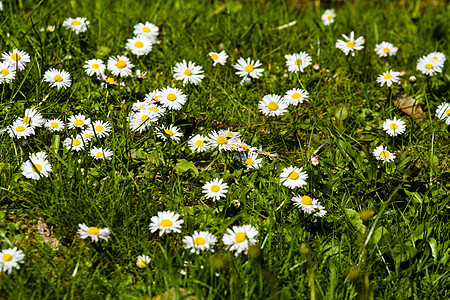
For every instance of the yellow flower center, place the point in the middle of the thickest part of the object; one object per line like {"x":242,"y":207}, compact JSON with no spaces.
{"x":199,"y":241}
{"x":27,"y":120}
{"x":386,"y":50}
{"x":215,"y":188}
{"x":329,"y":17}
{"x":121,"y":64}
{"x":384,"y":154}
{"x":393,"y":126}
{"x":76,"y":23}
{"x":245,"y":147}
{"x":99,"y":154}
{"x":272,"y":106}
{"x":76,"y":142}
{"x":296,"y":96}
{"x":144,"y":118}
{"x":171,"y":97}
{"x":447,"y":112}
{"x":15,"y":57}
{"x":99,"y":128}
{"x":141,"y":264}
{"x":387,"y":76}
{"x":435,"y":57}
{"x":248,"y":162}
{"x":199,"y":143}
{"x":146,"y":29}
{"x":221,"y":140}
{"x":36,"y":168}
{"x":429,"y":66}
{"x":187,"y":72}
{"x":214,"y":56}
{"x":139,"y":44}
{"x":78,"y":122}
{"x":93,"y":230}
{"x":87,"y":135}
{"x":293,"y":175}
{"x":298,"y":62}
{"x":306,"y":200}
{"x":229,"y":134}
{"x":95,"y":66}
{"x":240,"y":237}
{"x":249,"y":68}
{"x":54,"y":124}
{"x":20,"y":128}
{"x":5,"y":72}
{"x":7,"y":257}
{"x":110,"y":80}
{"x":58,"y":78}
{"x":153,"y":109}
{"x":350,"y":44}
{"x":168,"y":132}
{"x":166,"y":223}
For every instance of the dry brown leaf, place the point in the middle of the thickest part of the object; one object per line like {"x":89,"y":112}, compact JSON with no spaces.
{"x":409,"y":106}
{"x":45,"y":233}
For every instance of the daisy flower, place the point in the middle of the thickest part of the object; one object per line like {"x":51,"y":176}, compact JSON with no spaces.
{"x":10,"y":259}
{"x":218,"y":58}
{"x":139,"y":45}
{"x":428,"y":66}
{"x":37,"y":166}
{"x":156,"y":108}
{"x":328,"y":17}
{"x":147,"y":30}
{"x":20,"y":130}
{"x":54,"y":125}
{"x":166,"y":222}
{"x":296,"y":96}
{"x":309,"y":205}
{"x":200,"y":241}
{"x":383,"y":154}
{"x":384,"y":49}
{"x":94,"y":67}
{"x":101,"y":128}
{"x":188,"y":72}
{"x":76,"y":143}
{"x":248,"y":68}
{"x":272,"y":105}
{"x":172,"y":98}
{"x":443,"y":112}
{"x":251,"y":160}
{"x":93,"y":232}
{"x":394,"y":127}
{"x":229,"y":134}
{"x":388,"y":77}
{"x":33,"y":118}
{"x":267,"y":153}
{"x":437,"y":57}
{"x":240,"y":238}
{"x":142,"y":120}
{"x":293,"y":177}
{"x":101,"y":153}
{"x":215,"y":189}
{"x":7,"y":72}
{"x":78,"y":121}
{"x":152,"y":97}
{"x":78,"y":24}
{"x":297,"y":61}
{"x":87,"y":135}
{"x":143,"y":261}
{"x":17,"y":59}
{"x":171,"y":132}
{"x":120,"y":65}
{"x":315,"y":160}
{"x":218,"y":140}
{"x":350,"y":44}
{"x":108,"y":80}
{"x":58,"y":78}
{"x":198,"y":143}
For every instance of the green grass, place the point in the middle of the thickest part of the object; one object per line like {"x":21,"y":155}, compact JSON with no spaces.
{"x":397,"y":248}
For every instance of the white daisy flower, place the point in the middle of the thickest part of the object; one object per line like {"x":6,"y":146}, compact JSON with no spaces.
{"x":188,"y":72}
{"x":139,"y":45}
{"x":350,"y":44}
{"x":388,"y":77}
{"x":20,"y":130}
{"x":120,"y":65}
{"x":217,"y":140}
{"x":143,"y":261}
{"x":443,"y":112}
{"x":240,"y":238}
{"x":229,"y":134}
{"x":296,"y":96}
{"x":200,"y":241}
{"x":58,"y":78}
{"x":328,"y":17}
{"x":215,"y":189}
{"x":170,"y":132}
{"x":293,"y":177}
{"x":394,"y":127}
{"x":17,"y":59}
{"x":309,"y":205}
{"x":251,"y":160}
{"x":152,"y":97}
{"x":437,"y":57}
{"x":166,"y":222}
{"x":142,"y":120}
{"x":94,"y":233}
{"x":428,"y":66}
{"x":172,"y":98}
{"x":37,"y":166}
{"x":383,"y":154}
{"x":78,"y":24}
{"x":156,"y":108}
{"x":78,"y":121}
{"x":198,"y":143}
{"x":54,"y":125}
{"x":10,"y":259}
{"x":272,"y":105}
{"x":101,"y":128}
{"x":315,"y":160}
{"x":76,"y":143}
{"x":87,"y":135}
{"x":101,"y":153}
{"x":33,"y":118}
{"x":248,"y":68}
{"x":384,"y":49}
{"x":7,"y":72}
{"x":267,"y":153}
{"x":218,"y":58}
{"x":297,"y":61}
{"x":94,"y":67}
{"x":147,"y":30}
{"x":108,"y":81}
